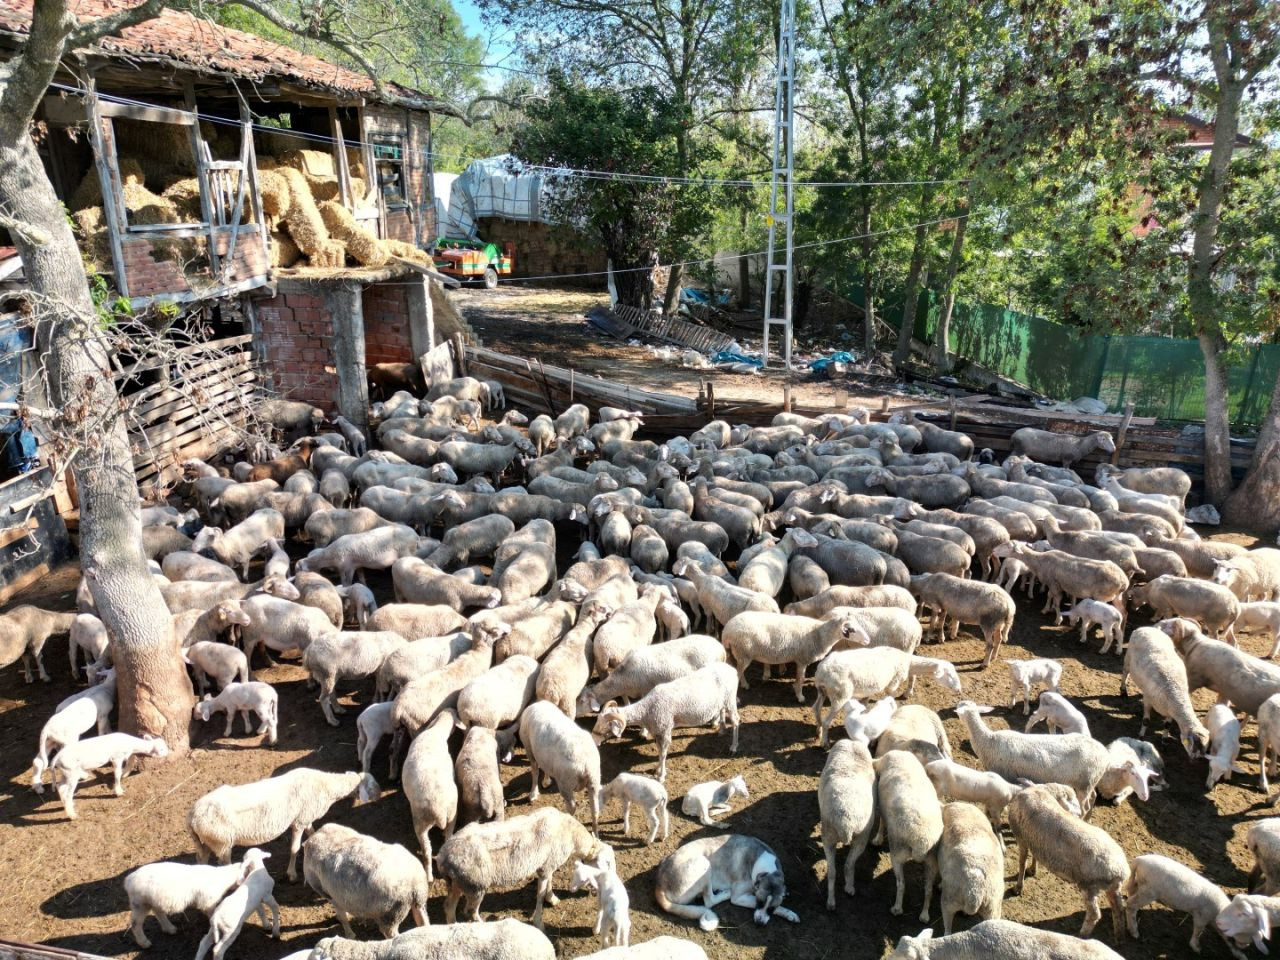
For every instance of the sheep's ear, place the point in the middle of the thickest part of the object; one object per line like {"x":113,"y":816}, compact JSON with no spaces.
{"x":611,"y":705}
{"x":207,"y":696}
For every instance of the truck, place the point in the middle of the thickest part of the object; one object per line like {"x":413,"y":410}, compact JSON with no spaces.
{"x":474,"y":260}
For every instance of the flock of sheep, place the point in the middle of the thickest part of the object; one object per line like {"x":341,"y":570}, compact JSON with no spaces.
{"x":862,"y":528}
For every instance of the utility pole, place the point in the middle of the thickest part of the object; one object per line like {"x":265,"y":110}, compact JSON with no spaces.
{"x":781,"y":199}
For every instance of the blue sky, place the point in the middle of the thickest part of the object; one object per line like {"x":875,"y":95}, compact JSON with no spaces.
{"x":493,"y":35}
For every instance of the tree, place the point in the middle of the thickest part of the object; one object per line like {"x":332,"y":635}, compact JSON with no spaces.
{"x":583,"y":127}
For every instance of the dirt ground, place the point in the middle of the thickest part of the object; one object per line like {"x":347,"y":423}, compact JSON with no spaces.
{"x":549,"y":323}
{"x":64,"y":878}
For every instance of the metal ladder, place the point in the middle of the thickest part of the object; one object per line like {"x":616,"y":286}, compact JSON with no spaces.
{"x":781,"y":201}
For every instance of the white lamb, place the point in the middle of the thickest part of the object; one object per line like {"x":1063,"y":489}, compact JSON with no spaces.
{"x":713,"y":797}
{"x":1095,"y":613}
{"x":1224,"y":743}
{"x":1011,"y":571}
{"x":989,"y":790}
{"x":372,"y":725}
{"x":1058,"y":715}
{"x":74,"y":762}
{"x":646,"y":793}
{"x":1157,"y":879}
{"x":159,"y":889}
{"x":220,"y":662}
{"x":866,"y":727}
{"x":75,"y":715}
{"x":1026,"y":674}
{"x":613,"y":921}
{"x":1261,"y":615}
{"x":244,"y":699}
{"x":252,"y":895}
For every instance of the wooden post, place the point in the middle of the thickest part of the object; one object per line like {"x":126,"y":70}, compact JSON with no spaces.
{"x":108,"y":177}
{"x":951,"y":405}
{"x":347,"y":315}
{"x":786,"y":398}
{"x":842,"y":399}
{"x":202,"y":173}
{"x":460,"y":354}
{"x":422,"y":333}
{"x":711,"y":400}
{"x":572,"y":374}
{"x":1124,"y":429}
{"x":340,"y":159}
{"x":884,"y":404}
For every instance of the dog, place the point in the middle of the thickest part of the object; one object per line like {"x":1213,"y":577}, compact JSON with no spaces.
{"x":737,"y":868}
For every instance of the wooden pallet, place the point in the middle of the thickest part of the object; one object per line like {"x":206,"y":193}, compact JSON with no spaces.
{"x":672,"y":330}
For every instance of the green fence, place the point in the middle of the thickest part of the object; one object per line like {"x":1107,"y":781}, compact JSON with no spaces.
{"x":1163,"y":377}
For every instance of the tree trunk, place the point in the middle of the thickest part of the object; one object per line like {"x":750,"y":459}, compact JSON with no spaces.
{"x":1217,"y":425}
{"x":154,"y":693}
{"x":744,"y":270}
{"x":942,"y":341}
{"x":671,"y":299}
{"x":634,"y":287}
{"x":919,"y":250}
{"x":1256,"y":502}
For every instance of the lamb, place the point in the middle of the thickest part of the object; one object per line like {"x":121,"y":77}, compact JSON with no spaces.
{"x":1157,"y":879}
{"x":1025,"y":674}
{"x":866,"y":727}
{"x":498,"y":696}
{"x":258,"y":812}
{"x":882,"y":595}
{"x":75,"y":715}
{"x":613,"y":919}
{"x":1248,"y":918}
{"x":968,"y":601}
{"x":334,"y":656}
{"x":422,"y":698}
{"x":353,"y":553}
{"x":1263,"y":840}
{"x":779,"y":638}
{"x":1078,"y":852}
{"x":1213,"y":606}
{"x":372,"y":725}
{"x":1001,"y":940}
{"x":1011,"y":571}
{"x":243,"y":699}
{"x":1243,"y":680}
{"x":476,"y":773}
{"x":911,"y":818}
{"x":24,"y":630}
{"x":364,"y":878}
{"x":1058,"y":714}
{"x":219,"y":661}
{"x":1268,"y":741}
{"x":712,"y":797}
{"x":76,"y":759}
{"x":482,"y":856}
{"x":863,"y":674}
{"x":252,"y":895}
{"x":416,"y":581}
{"x":1130,"y":757}
{"x":988,"y":790}
{"x":646,"y":793}
{"x":970,"y":865}
{"x":1050,"y":447}
{"x":565,"y":752}
{"x":87,"y":633}
{"x":1224,"y":743}
{"x":847,"y":810}
{"x":1095,"y":613}
{"x":159,"y":889}
{"x":358,"y":604}
{"x":708,"y":695}
{"x":1073,"y":759}
{"x":1261,"y":615}
{"x":647,"y":667}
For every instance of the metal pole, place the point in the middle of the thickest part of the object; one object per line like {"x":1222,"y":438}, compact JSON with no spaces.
{"x":782,"y":207}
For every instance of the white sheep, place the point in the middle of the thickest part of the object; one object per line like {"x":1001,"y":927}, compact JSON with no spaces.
{"x":1263,"y":840}
{"x":159,"y":889}
{"x":703,"y":800}
{"x":1161,"y":678}
{"x":911,"y":819}
{"x":1260,"y":615}
{"x":1136,"y":767}
{"x":244,"y":699}
{"x":343,"y":655}
{"x":646,"y":793}
{"x":643,"y":669}
{"x":613,"y":916}
{"x":564,"y":751}
{"x":73,"y":716}
{"x":358,"y":604}
{"x":1095,"y":613}
{"x":1224,"y":743}
{"x":1058,"y":713}
{"x":779,"y":638}
{"x":428,"y":784}
{"x":847,"y":808}
{"x":364,"y":878}
{"x":220,"y":662}
{"x":1026,"y":674}
{"x":1268,"y":742}
{"x":1011,"y":571}
{"x":87,"y":633}
{"x":866,"y":727}
{"x":252,"y":895}
{"x":499,"y":695}
{"x":496,"y":940}
{"x":1248,"y":918}
{"x":1157,"y":879}
{"x":955,"y":782}
{"x":258,"y":812}
{"x":76,"y":760}
{"x":970,"y":865}
{"x":861,"y":674}
{"x":1001,"y":940}
{"x":374,"y":723}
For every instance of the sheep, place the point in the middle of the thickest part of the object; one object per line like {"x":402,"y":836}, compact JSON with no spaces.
{"x":634,"y":625}
{"x":280,"y":625}
{"x":564,"y":751}
{"x":1243,"y":680}
{"x":996,"y":490}
{"x":1026,"y":674}
{"x":334,"y":656}
{"x":1129,"y":758}
{"x":643,"y":669}
{"x":509,"y":853}
{"x":353,"y":553}
{"x":475,"y":772}
{"x":714,"y":796}
{"x":885,"y":626}
{"x":24,"y":630}
{"x":866,"y":727}
{"x":219,"y":661}
{"x":73,"y":716}
{"x":862,"y":674}
{"x":1058,"y":714}
{"x":1213,"y":606}
{"x":243,"y":698}
{"x":988,"y":790}
{"x":970,"y":865}
{"x":938,"y":440}
{"x":721,"y":601}
{"x":496,"y":940}
{"x":779,"y":638}
{"x":238,"y":545}
{"x":1263,"y":840}
{"x":646,"y":793}
{"x":882,"y":595}
{"x":613,"y":919}
{"x":422,"y":698}
{"x":1268,"y":741}
{"x":567,"y":667}
{"x":498,"y":696}
{"x":416,"y":620}
{"x":252,"y":895}
{"x":924,"y":554}
{"x":1248,"y":918}
{"x":968,"y":601}
{"x":416,"y":581}
{"x":258,"y":812}
{"x":159,"y":889}
{"x":1001,"y":940}
{"x":931,"y":492}
{"x":1091,"y":545}
{"x":917,"y":729}
{"x":1073,"y":759}
{"x":708,"y":695}
{"x":847,"y":810}
{"x":373,"y":723}
{"x":358,"y":604}
{"x":364,"y":878}
{"x":1169,"y":481}
{"x":911,"y":819}
{"x":1095,"y":613}
{"x":659,"y":948}
{"x":1258,"y":571}
{"x":76,"y":759}
{"x":290,"y":417}
{"x":87,"y":633}
{"x":187,"y":565}
{"x":1078,"y":852}
{"x":1261,"y":615}
{"x":1065,"y":573}
{"x":427,"y":780}
{"x":1157,"y":879}
{"x":1011,"y":571}
{"x":1050,"y":447}
{"x":1224,"y":743}
{"x":1166,"y":509}
{"x":325,"y":526}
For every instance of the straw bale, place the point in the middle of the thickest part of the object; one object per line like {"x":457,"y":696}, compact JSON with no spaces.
{"x":146,"y":207}
{"x":89,"y":192}
{"x":162,"y":149}
{"x":284,"y":252}
{"x":303,"y":218}
{"x":275,"y":193}
{"x":313,"y":164}
{"x":331,"y":255}
{"x":95,"y":245}
{"x":361,"y":244}
{"x":398,"y":248}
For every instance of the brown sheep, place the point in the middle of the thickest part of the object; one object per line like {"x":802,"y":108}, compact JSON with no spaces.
{"x":282,"y":468}
{"x":386,"y":378}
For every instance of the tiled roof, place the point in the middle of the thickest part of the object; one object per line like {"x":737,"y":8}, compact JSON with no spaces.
{"x":206,"y":47}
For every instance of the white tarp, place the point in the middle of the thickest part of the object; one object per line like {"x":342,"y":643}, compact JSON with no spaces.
{"x":441,"y":188}
{"x":489,"y":188}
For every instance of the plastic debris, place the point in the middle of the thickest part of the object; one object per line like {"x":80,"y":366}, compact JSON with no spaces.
{"x":1206,"y":513}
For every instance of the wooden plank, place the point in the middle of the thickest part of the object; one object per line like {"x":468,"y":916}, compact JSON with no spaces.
{"x":149,"y":113}
{"x":22,"y":581}
{"x":158,"y":393}
{"x":19,"y":531}
{"x":159,"y":413}
{"x":109,"y":179}
{"x":426,"y":271}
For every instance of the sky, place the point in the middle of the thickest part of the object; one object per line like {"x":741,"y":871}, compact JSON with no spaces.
{"x":495,"y":37}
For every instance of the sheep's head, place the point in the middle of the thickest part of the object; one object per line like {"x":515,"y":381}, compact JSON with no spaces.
{"x":801,"y":537}
{"x":229,"y":613}
{"x":584,"y":878}
{"x":203,"y":708}
{"x":156,"y":747}
{"x":367,"y":790}
{"x":1225,"y":572}
{"x":610,"y":724}
{"x":1245,"y":920}
{"x":206,"y":541}
{"x":1105,"y":441}
{"x":279,"y":586}
{"x":1180,"y":629}
{"x":853,"y":633}
{"x":1196,"y":741}
{"x":1138,"y":778}
{"x":572,"y":591}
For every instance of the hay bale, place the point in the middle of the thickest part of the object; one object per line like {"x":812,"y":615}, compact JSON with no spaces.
{"x":313,"y":164}
{"x":163,"y":150}
{"x":146,"y":208}
{"x":89,"y":192}
{"x":274,"y":190}
{"x":331,"y":255}
{"x":323,"y":190}
{"x":284,"y":252}
{"x":185,"y":195}
{"x":303,"y":219}
{"x":360,"y":243}
{"x":398,"y":248}
{"x":95,"y":245}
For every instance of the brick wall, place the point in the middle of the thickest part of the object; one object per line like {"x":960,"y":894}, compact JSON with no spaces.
{"x":386,"y":323}
{"x":414,"y":224}
{"x":155,"y":265}
{"x":295,"y":333}
{"x":543,"y":250}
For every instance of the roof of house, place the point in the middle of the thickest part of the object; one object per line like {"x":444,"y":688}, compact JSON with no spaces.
{"x":178,"y":38}
{"x":1199,"y":132}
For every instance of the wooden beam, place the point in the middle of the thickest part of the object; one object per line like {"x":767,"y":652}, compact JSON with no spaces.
{"x":1123,"y":431}
{"x":340,"y":159}
{"x":428,"y":271}
{"x":112,"y":199}
{"x":152,"y":114}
